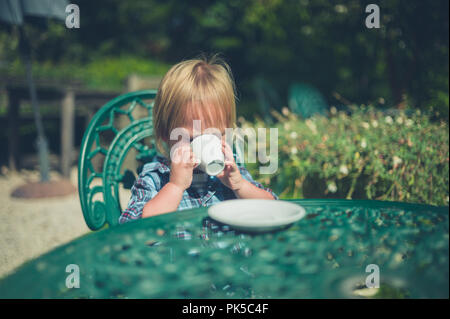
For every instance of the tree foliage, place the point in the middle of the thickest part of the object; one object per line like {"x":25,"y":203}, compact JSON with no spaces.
{"x":322,"y":43}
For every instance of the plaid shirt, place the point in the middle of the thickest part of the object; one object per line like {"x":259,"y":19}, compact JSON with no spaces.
{"x":156,"y":174}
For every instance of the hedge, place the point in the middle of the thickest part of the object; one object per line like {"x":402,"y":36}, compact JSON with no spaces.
{"x":362,"y":154}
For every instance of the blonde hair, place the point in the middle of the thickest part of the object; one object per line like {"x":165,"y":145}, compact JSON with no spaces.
{"x":192,"y":88}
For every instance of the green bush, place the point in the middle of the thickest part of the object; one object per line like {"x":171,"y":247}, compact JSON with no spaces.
{"x":107,"y":73}
{"x":365,"y":155}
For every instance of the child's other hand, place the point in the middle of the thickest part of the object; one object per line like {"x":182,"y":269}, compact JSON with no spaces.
{"x":182,"y":166}
{"x":231,"y":176}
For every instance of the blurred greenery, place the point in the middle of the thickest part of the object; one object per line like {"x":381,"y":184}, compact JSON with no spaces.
{"x":272,"y":43}
{"x":365,"y":155}
{"x":322,"y":43}
{"x":105,"y":73}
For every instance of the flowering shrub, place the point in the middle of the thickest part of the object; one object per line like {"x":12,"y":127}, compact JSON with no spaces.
{"x":365,"y":155}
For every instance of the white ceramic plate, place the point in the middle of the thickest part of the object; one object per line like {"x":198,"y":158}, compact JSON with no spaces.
{"x":256,"y":215}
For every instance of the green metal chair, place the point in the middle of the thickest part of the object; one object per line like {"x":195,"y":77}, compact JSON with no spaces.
{"x":119,"y":132}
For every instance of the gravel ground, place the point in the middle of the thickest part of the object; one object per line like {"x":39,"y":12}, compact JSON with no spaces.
{"x":31,"y":227}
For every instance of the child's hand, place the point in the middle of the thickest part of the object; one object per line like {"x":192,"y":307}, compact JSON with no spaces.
{"x":231,"y":176}
{"x":182,"y":167}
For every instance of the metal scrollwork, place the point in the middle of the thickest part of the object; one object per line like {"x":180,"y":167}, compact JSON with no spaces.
{"x":98,"y":211}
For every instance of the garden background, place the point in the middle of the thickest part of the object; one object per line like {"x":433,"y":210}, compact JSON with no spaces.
{"x":383,"y":134}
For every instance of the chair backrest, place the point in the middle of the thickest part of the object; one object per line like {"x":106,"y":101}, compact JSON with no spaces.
{"x":121,"y":127}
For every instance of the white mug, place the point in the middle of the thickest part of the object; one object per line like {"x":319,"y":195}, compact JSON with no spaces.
{"x":207,"y":149}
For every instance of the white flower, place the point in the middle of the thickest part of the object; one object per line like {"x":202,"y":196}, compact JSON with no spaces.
{"x":365,"y":125}
{"x":409,"y":122}
{"x":343,"y":169}
{"x":293,"y":135}
{"x":333,"y":110}
{"x":332,"y":187}
{"x":311,"y":126}
{"x":381,"y":100}
{"x":293,"y":150}
{"x":389,"y":120}
{"x":285,"y":111}
{"x":374,"y":123}
{"x":399,"y":120}
{"x":396,"y":160}
{"x":363,"y":143}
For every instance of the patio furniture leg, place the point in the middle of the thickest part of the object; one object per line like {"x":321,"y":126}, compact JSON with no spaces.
{"x":67,"y":132}
{"x":13,"y":131}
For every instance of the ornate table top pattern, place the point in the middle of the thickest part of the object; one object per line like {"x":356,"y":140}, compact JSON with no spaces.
{"x":188,"y":255}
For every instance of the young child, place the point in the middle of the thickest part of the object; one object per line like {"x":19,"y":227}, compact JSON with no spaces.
{"x":198,"y":89}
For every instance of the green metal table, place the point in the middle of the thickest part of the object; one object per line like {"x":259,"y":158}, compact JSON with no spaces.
{"x":187,"y":255}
